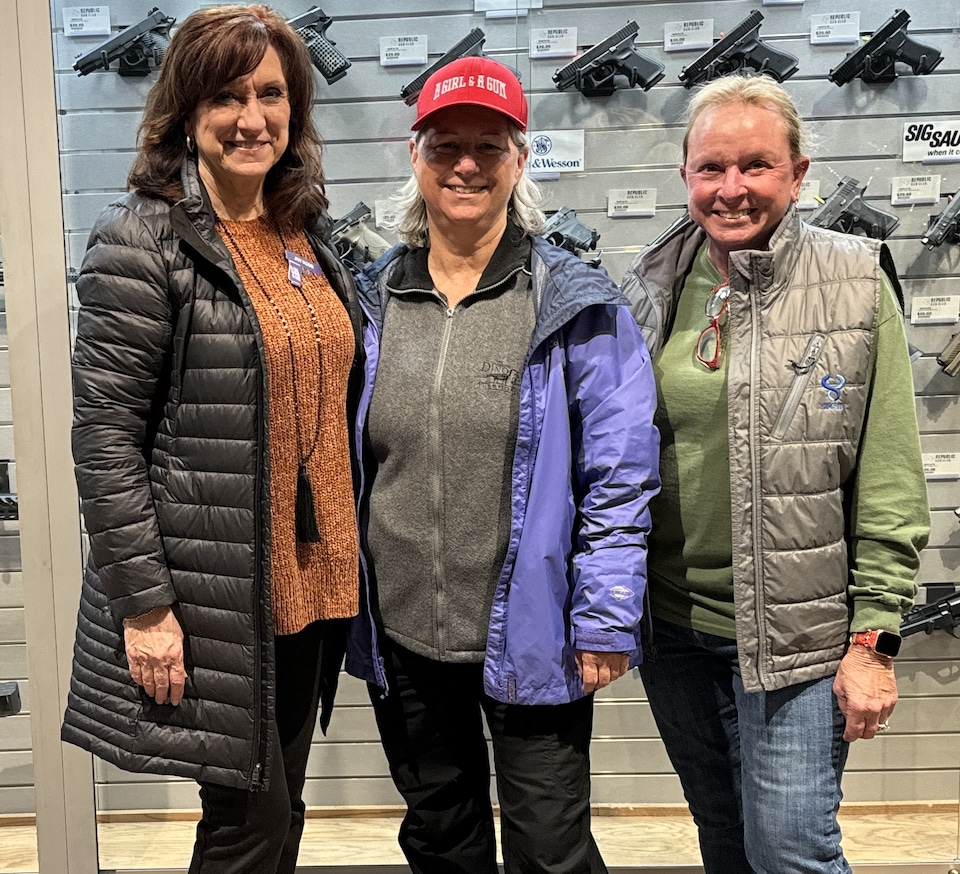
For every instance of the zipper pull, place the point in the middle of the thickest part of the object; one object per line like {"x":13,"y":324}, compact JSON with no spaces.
{"x":814,"y":348}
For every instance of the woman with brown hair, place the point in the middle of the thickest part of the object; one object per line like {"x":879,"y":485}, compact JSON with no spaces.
{"x":216,"y":343}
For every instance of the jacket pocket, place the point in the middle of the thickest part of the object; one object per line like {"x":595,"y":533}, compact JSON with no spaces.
{"x":802,"y":370}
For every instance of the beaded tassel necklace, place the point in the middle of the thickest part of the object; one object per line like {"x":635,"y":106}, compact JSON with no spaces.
{"x":305,"y":511}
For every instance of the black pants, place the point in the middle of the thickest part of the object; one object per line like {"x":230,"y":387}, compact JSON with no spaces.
{"x":259,"y":832}
{"x":432,"y":734}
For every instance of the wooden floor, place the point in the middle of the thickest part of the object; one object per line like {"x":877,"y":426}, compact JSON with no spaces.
{"x":625,"y":841}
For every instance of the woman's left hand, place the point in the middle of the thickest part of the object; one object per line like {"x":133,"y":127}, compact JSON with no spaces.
{"x":866,"y":690}
{"x":599,"y":669}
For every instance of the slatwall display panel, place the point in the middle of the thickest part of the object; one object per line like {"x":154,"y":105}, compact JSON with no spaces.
{"x":633,"y":139}
{"x":16,"y":757}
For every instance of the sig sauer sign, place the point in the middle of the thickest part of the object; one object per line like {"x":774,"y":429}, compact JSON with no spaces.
{"x":931,"y":141}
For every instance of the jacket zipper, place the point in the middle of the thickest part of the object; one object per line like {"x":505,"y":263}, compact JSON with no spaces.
{"x":438,"y":474}
{"x":755,"y":496}
{"x":802,"y":368}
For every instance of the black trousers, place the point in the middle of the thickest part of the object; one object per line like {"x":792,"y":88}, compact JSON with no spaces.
{"x":245,"y":832}
{"x":432,"y":734}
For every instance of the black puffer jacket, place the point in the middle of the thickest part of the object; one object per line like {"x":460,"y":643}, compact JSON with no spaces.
{"x":170,"y":444}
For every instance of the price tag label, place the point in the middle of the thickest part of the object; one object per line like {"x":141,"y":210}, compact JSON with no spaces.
{"x":941,"y":465}
{"x":679,"y":36}
{"x":906,"y":190}
{"x":400,"y":51}
{"x":629,"y":202}
{"x":385,"y":213}
{"x":940,"y":310}
{"x":86,"y":21}
{"x":553,"y":42}
{"x":835,"y":28}
{"x":505,"y":8}
{"x":809,"y":192}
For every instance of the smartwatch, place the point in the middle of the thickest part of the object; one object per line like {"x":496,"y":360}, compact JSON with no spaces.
{"x":886,"y":643}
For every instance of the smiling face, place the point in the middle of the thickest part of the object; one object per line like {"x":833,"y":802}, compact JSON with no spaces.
{"x":740,"y":177}
{"x":466,"y":165}
{"x":241,"y":132}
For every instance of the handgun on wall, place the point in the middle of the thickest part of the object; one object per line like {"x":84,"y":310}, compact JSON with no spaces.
{"x":845,"y":210}
{"x":945,"y":227}
{"x":354,"y":242}
{"x":594,"y":72}
{"x":875,"y":60}
{"x":312,"y":27}
{"x":565,"y":230}
{"x":134,"y":47}
{"x":740,"y":49}
{"x":942,"y":615}
{"x":470,"y":46}
{"x":949,"y":359}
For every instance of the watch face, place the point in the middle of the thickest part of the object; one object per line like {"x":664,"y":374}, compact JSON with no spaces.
{"x":887,"y":644}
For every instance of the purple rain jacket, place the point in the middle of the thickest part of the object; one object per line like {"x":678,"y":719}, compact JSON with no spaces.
{"x":585,"y":467}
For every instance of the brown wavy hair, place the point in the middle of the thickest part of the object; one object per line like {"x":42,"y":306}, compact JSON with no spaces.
{"x":211,"y":48}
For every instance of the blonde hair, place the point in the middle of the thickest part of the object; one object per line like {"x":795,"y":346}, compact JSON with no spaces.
{"x":759,"y":91}
{"x":413,"y":228}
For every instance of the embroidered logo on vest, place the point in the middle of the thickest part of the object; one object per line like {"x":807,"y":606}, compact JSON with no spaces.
{"x":833,"y":385}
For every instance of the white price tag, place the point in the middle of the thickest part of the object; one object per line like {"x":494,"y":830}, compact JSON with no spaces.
{"x":505,"y":8}
{"x":941,"y":465}
{"x":553,"y":42}
{"x":809,"y":192}
{"x":86,"y":21}
{"x":940,"y":310}
{"x":399,"y":51}
{"x":907,"y":190}
{"x":679,"y":36}
{"x":628,"y":202}
{"x":834,"y":28}
{"x":555,"y":151}
{"x":931,"y":141}
{"x":385,"y":213}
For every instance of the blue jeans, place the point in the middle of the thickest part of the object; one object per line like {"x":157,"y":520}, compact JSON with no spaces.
{"x":760,"y":770}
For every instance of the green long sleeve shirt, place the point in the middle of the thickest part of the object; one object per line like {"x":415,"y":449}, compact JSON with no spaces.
{"x":690,"y":564}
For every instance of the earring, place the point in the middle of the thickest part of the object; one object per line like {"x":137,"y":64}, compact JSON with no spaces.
{"x":189,"y":144}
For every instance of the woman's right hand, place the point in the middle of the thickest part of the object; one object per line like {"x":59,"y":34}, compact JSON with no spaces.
{"x":154,"y":645}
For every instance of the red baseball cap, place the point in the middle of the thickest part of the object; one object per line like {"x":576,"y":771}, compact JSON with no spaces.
{"x":474,"y":80}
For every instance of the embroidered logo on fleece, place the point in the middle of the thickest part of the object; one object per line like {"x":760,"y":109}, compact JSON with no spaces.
{"x":833,"y":385}
{"x":499,"y":377}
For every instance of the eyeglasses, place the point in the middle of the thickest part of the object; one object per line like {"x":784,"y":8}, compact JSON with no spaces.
{"x":709,"y":344}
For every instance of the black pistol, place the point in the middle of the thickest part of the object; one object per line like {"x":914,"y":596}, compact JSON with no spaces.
{"x":845,"y":211}
{"x":594,"y":71}
{"x":134,"y":46}
{"x":945,"y":227}
{"x":875,"y":60}
{"x":940,"y":615}
{"x":312,"y":28}
{"x":470,"y":46}
{"x":740,"y":49}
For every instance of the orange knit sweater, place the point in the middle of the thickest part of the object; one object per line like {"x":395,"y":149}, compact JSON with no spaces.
{"x":309,"y":580}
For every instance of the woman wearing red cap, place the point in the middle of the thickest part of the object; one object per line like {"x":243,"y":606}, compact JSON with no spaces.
{"x":510,"y":456}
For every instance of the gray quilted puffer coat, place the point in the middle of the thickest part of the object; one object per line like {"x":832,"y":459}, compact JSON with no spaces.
{"x":170,"y":444}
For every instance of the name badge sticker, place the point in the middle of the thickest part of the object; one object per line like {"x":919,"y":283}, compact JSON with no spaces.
{"x":297,"y":266}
